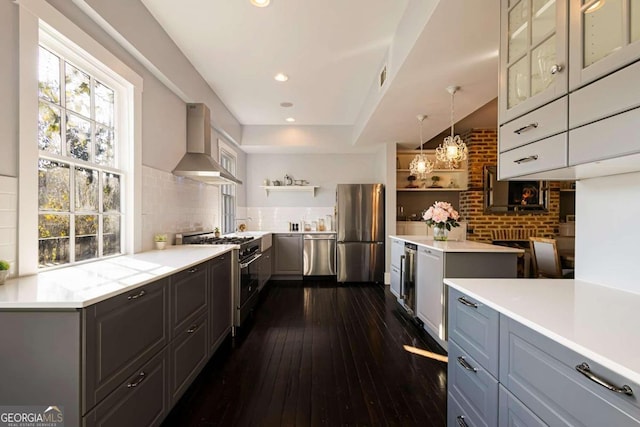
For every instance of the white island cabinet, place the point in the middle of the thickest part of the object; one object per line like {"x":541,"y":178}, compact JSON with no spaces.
{"x":436,"y":261}
{"x":536,"y":352}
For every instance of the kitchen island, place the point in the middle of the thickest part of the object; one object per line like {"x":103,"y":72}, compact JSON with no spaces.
{"x":418,"y":273}
{"x":554,"y":351}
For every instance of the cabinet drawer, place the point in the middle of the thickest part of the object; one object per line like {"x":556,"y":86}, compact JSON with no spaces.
{"x":139,"y":401}
{"x":586,"y":143}
{"x":474,"y":327}
{"x":189,"y":354}
{"x":473,"y":384}
{"x":611,"y":95}
{"x":120,"y":334}
{"x":397,"y":250}
{"x":460,"y":415}
{"x":513,"y":413}
{"x":548,"y":154}
{"x":538,"y":124}
{"x":188,"y":295}
{"x":542,"y":374}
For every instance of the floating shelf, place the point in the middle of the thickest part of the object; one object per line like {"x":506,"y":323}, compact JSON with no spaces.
{"x":293,"y":188}
{"x":436,"y":170}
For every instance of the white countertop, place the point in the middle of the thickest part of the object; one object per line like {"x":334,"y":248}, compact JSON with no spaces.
{"x":456,"y":246}
{"x":85,"y":284}
{"x":598,"y":322}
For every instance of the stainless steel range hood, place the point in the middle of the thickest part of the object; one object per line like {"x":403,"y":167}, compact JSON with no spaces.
{"x":197,"y":163}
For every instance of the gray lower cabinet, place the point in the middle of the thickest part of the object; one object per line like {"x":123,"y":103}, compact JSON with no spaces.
{"x":141,"y":400}
{"x":265,"y":268}
{"x":188,"y":296}
{"x":220,"y":292}
{"x":119,"y":335}
{"x":123,"y":361}
{"x":189,"y":352}
{"x":537,"y":382}
{"x":288,"y":254}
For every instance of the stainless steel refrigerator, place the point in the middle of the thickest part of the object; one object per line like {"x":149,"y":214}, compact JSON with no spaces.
{"x":360,"y":232}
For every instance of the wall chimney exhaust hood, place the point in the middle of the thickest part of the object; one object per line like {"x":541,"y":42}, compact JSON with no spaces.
{"x":197,"y":163}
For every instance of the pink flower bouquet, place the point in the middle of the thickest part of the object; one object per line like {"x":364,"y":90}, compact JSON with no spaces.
{"x":441,"y":215}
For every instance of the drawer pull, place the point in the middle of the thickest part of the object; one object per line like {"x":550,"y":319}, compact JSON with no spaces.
{"x":461,"y":421}
{"x":136,"y":296}
{"x":193,"y":270}
{"x":584,"y":369}
{"x":464,"y":301}
{"x":463,"y":362}
{"x":526,"y":128}
{"x":556,"y":68}
{"x":137,"y":382}
{"x":192,"y":329}
{"x":526,"y":159}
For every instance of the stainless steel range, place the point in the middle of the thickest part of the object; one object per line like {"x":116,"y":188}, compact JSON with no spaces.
{"x":245,"y":280}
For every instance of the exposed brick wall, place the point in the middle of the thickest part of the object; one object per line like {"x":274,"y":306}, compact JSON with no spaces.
{"x":483,"y":150}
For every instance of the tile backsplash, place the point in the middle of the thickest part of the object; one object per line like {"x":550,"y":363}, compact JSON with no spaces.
{"x":8,"y":220}
{"x":171,"y":204}
{"x":277,"y":218}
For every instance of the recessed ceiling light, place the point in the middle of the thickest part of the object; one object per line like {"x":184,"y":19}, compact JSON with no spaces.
{"x":260,"y":3}
{"x":286,"y":104}
{"x":290,"y":119}
{"x":281,"y":77}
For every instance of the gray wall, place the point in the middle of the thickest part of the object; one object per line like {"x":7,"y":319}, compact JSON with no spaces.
{"x":9,"y":89}
{"x":323,"y":170}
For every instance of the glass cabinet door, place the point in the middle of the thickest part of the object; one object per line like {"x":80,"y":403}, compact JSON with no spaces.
{"x":533,"y":56}
{"x":607,"y":33}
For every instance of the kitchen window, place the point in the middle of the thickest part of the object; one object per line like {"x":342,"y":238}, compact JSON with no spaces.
{"x":227,"y":192}
{"x":80,"y":146}
{"x":79,"y":175}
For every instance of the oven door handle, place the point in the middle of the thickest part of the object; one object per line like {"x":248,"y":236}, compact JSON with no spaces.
{"x":246,"y":264}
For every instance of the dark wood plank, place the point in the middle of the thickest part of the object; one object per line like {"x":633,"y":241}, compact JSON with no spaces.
{"x":320,"y":354}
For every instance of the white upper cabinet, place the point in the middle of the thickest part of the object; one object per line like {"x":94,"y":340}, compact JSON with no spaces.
{"x":533,"y":55}
{"x":605,"y":36}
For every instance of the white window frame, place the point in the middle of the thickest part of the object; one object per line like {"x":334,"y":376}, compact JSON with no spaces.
{"x":226,"y":150}
{"x":39,"y":20}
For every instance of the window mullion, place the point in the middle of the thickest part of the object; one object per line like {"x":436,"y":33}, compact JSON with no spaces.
{"x":72,"y":214}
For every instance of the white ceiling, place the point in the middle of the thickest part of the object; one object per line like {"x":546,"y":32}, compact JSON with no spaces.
{"x":333,"y":52}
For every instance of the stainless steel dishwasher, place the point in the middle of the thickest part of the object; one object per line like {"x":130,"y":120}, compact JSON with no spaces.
{"x":319,"y":255}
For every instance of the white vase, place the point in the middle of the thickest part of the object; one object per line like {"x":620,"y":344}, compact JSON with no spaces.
{"x":3,"y":276}
{"x":161,"y":245}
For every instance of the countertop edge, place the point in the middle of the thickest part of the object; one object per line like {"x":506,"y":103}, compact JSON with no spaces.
{"x":428,"y":242}
{"x":83,"y":303}
{"x":559,"y":338}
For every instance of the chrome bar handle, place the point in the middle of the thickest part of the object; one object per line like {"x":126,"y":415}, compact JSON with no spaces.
{"x":461,"y":421}
{"x":192,"y":329}
{"x":402,"y":262}
{"x":463,"y":362}
{"x":464,"y":301}
{"x":137,"y":382}
{"x":136,"y":296}
{"x":526,"y":159}
{"x":584,"y":369}
{"x":556,"y":68}
{"x":530,"y":126}
{"x":193,"y":270}
{"x":246,"y":264}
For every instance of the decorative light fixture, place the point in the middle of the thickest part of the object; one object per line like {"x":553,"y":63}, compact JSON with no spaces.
{"x":260,"y":3}
{"x":421,"y":166}
{"x":453,"y":150}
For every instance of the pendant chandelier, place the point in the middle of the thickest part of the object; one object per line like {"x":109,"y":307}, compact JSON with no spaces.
{"x":421,"y":166}
{"x":453,"y":150}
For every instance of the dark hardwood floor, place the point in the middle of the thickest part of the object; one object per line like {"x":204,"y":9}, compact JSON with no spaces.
{"x":319,"y":353}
